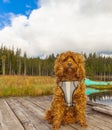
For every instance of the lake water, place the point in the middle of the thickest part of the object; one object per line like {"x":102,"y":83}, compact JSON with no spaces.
{"x":99,"y":96}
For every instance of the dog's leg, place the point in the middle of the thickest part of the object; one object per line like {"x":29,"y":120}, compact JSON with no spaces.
{"x":80,"y":105}
{"x":80,"y":110}
{"x":48,"y":116}
{"x":58,"y":115}
{"x":58,"y":107}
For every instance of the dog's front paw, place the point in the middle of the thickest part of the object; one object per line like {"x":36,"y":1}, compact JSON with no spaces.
{"x":56,"y":126}
{"x":84,"y":124}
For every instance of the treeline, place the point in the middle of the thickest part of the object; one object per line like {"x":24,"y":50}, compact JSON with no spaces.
{"x":98,"y":67}
{"x":12,"y":63}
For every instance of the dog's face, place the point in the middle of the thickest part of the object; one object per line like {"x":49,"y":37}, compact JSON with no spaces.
{"x":70,"y":66}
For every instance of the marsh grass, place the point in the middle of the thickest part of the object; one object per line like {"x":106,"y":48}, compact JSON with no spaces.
{"x":26,"y":85}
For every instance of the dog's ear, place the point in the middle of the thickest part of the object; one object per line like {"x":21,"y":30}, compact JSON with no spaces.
{"x":58,"y":69}
{"x":79,"y":58}
{"x":81,"y":66}
{"x":60,"y":58}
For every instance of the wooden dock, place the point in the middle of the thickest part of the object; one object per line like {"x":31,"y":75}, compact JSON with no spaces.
{"x":26,"y":113}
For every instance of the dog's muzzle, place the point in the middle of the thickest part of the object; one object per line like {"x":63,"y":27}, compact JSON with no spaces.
{"x":68,"y":88}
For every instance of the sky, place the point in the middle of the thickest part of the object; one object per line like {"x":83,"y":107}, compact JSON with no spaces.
{"x":42,"y":27}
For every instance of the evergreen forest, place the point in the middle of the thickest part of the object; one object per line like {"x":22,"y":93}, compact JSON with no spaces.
{"x":13,"y":63}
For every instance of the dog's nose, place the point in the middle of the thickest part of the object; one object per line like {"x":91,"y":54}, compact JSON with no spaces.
{"x":69,"y":64}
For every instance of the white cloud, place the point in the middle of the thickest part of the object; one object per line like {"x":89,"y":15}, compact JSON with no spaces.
{"x":61,"y":25}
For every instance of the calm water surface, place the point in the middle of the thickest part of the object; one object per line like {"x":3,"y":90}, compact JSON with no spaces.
{"x":99,"y":96}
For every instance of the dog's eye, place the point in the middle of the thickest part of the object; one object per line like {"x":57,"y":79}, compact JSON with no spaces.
{"x":64,"y":59}
{"x":75,"y":60}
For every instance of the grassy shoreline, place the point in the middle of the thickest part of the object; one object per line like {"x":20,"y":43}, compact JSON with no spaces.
{"x":26,"y":85}
{"x":101,"y":87}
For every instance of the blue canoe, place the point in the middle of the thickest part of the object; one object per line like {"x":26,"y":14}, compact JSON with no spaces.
{"x":90,"y":82}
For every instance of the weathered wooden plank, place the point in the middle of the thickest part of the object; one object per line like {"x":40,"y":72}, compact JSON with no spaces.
{"x":45,"y":97}
{"x":2,"y":125}
{"x":8,"y":120}
{"x":103,"y":109}
{"x":37,"y":110}
{"x":98,"y":123}
{"x":42,"y":104}
{"x":90,"y":123}
{"x":31,"y":106}
{"x":21,"y":114}
{"x":35,"y":114}
{"x":103,"y":117}
{"x":102,"y":113}
{"x":90,"y":127}
{"x":105,"y":121}
{"x":90,"y":103}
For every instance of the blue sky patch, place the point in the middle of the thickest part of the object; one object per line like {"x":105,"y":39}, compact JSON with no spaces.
{"x":16,"y":7}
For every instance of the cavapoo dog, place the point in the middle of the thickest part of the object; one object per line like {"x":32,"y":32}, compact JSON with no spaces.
{"x":69,"y":100}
